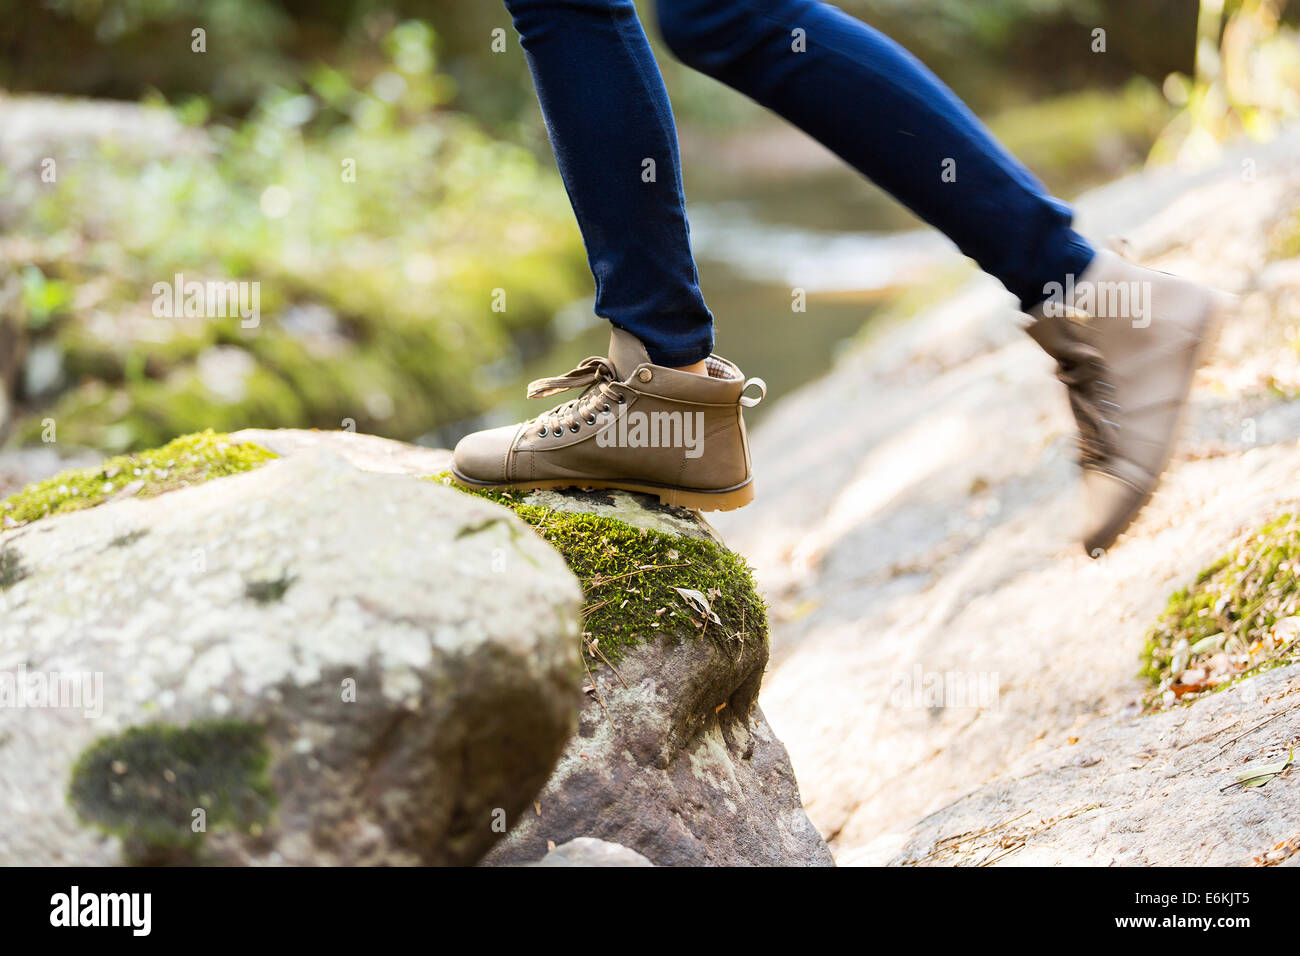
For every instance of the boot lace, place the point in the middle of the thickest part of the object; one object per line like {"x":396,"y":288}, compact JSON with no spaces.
{"x":593,"y":375}
{"x":1091,"y":399}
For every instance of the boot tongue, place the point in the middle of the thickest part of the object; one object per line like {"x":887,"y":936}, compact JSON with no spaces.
{"x":626,"y":352}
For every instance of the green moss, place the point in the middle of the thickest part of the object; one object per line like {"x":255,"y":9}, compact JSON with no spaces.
{"x":628,"y":576}
{"x":269,"y":591}
{"x":126,"y":540}
{"x":145,"y":784}
{"x":11,"y":568}
{"x":1223,"y":622}
{"x":189,"y":460}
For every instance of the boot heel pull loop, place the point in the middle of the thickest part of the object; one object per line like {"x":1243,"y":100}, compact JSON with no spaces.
{"x":748,"y":402}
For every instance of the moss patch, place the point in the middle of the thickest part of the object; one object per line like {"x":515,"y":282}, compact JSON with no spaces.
{"x":268,"y":591}
{"x":145,"y":784}
{"x":189,"y":460}
{"x":629,"y":576}
{"x":128,"y":539}
{"x":11,"y":568}
{"x":1236,"y":619}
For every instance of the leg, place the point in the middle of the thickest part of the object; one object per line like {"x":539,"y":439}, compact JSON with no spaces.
{"x":1128,"y":367}
{"x":613,"y":135}
{"x":612,"y":130}
{"x":881,"y":110}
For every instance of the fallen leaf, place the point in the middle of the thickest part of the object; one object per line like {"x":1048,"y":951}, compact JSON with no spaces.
{"x":1261,"y":774}
{"x":1207,"y":644}
{"x":698,"y":601}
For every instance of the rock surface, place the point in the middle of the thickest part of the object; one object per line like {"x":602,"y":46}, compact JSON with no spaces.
{"x":674,"y":759}
{"x":372,"y":453}
{"x":367,"y":452}
{"x":322,"y":660}
{"x":930,"y":541}
{"x":679,"y":780}
{"x":586,"y":851}
{"x":1147,"y":791}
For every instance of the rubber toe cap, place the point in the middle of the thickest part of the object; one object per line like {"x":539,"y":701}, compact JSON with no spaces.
{"x":1110,"y":505}
{"x":482,"y":456}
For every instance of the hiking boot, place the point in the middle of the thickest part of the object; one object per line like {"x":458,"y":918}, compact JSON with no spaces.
{"x":1127,"y":341}
{"x":636,"y":425}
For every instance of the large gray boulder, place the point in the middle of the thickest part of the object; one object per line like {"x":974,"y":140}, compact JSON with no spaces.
{"x":307,"y":663}
{"x":689,"y":772}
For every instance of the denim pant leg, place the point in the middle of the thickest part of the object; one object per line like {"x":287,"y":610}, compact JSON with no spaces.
{"x":612,"y":131}
{"x":876,"y":106}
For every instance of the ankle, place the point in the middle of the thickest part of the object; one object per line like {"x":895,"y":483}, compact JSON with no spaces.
{"x":695,"y":368}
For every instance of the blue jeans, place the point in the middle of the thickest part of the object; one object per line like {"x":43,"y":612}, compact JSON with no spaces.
{"x":844,"y":83}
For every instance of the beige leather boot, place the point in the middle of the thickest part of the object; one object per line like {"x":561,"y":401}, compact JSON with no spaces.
{"x":1127,"y":341}
{"x":636,"y":425}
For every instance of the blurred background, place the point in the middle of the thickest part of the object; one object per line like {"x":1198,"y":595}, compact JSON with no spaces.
{"x":126,"y":157}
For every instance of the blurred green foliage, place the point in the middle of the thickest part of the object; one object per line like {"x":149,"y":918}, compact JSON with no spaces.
{"x":378,"y":224}
{"x":1246,"y":81}
{"x":121,"y":48}
{"x":376,"y":294}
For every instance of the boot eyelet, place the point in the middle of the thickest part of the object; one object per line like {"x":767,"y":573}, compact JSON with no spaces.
{"x":542,"y":433}
{"x":645,"y":375}
{"x":573,"y":428}
{"x":591,"y":419}
{"x":621,"y":398}
{"x":558,"y":433}
{"x":605,"y":408}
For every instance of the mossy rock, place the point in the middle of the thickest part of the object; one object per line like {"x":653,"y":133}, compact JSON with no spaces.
{"x":1235,"y":620}
{"x":189,"y":460}
{"x":630,"y":575}
{"x":630,"y":578}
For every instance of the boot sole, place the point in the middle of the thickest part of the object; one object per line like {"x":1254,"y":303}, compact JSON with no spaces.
{"x":1098,"y":545}
{"x":693,"y":499}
